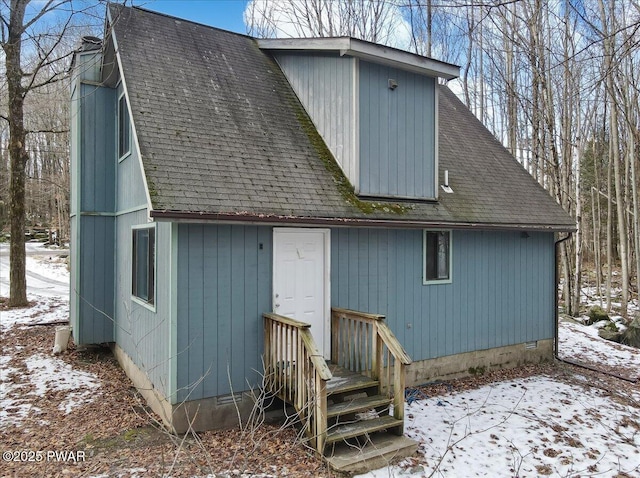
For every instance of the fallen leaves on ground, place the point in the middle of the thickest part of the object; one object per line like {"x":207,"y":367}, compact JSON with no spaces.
{"x":117,"y":435}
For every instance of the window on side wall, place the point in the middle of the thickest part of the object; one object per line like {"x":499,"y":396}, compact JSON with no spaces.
{"x":143,"y":260}
{"x":437,"y":257}
{"x":124,"y":129}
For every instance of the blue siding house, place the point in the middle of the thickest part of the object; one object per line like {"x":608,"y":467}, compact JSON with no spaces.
{"x":217,"y":178}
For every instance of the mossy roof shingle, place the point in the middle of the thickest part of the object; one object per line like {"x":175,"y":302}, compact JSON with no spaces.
{"x":222,"y":134}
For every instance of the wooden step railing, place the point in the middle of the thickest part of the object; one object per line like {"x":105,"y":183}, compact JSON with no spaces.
{"x":363,"y":343}
{"x":297,"y":373}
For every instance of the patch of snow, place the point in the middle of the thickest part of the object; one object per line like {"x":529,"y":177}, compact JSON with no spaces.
{"x":5,"y":370}
{"x":53,"y":267}
{"x":530,"y":427}
{"x":47,"y":273}
{"x":521,"y":428}
{"x":583,"y":318}
{"x":12,"y":410}
{"x":584,"y":342}
{"x":49,"y":373}
{"x":46,"y":309}
{"x":44,"y":374}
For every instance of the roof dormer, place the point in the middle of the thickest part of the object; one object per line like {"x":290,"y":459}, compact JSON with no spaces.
{"x":375,"y":107}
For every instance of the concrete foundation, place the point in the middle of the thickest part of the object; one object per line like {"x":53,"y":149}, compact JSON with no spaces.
{"x":212,"y":413}
{"x":227,"y":411}
{"x":207,"y":414}
{"x":471,"y":363}
{"x":155,"y":399}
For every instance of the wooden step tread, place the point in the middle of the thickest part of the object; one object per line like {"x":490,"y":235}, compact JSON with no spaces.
{"x":345,"y":381}
{"x":379,"y":452}
{"x":350,"y":430}
{"x":357,"y":405}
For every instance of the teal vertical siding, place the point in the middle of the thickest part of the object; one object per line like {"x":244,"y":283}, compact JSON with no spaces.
{"x":108,"y":199}
{"x":397,"y":133}
{"x":93,"y":206}
{"x":130,"y":186}
{"x":224,"y":286}
{"x":97,"y":143}
{"x":130,"y":190}
{"x":88,"y":66}
{"x":96,"y":283}
{"x":501,"y":293}
{"x":324,"y":83}
{"x":144,"y":332}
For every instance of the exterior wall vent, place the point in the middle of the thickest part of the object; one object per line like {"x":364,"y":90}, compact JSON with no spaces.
{"x":228,"y":399}
{"x":531,"y":345}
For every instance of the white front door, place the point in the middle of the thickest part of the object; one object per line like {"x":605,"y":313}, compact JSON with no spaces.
{"x":301,"y":280}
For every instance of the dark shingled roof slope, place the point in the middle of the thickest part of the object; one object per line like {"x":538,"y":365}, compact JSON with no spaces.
{"x":222,"y":134}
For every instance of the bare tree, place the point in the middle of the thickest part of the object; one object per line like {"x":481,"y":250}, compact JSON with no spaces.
{"x":33,"y":37}
{"x":373,"y":20}
{"x":555,"y":81}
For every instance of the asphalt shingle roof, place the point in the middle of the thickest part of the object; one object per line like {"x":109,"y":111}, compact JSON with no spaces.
{"x":222,"y":132}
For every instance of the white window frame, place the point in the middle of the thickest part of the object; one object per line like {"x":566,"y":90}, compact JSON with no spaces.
{"x":138,"y":300}
{"x":120,"y":114}
{"x":426,"y":281}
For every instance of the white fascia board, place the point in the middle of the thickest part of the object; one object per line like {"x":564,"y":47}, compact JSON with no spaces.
{"x":368,"y":51}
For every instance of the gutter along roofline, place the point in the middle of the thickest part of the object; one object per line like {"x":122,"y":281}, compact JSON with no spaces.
{"x":274,"y":219}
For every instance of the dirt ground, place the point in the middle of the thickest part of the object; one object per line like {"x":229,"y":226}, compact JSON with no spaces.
{"x":117,"y":435}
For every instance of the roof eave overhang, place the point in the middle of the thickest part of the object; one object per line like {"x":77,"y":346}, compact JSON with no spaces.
{"x":368,"y":51}
{"x":275,"y":220}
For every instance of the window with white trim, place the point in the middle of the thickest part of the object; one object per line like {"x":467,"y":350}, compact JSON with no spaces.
{"x":144,"y":261}
{"x":124,"y":128}
{"x":437,"y":256}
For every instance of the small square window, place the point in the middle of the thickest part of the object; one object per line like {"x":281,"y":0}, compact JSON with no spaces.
{"x":143,"y":260}
{"x":437,"y":256}
{"x":124,"y":130}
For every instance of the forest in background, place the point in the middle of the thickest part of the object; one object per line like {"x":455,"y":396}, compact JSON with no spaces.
{"x":555,"y":81}
{"x":49,"y":35}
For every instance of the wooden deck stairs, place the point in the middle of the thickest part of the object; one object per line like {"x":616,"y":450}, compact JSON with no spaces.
{"x":351,"y":408}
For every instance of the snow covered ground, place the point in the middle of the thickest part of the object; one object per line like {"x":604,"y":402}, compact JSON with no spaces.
{"x":582,"y":343}
{"x":47,"y":274}
{"x":48,"y":289}
{"x":536,"y":426}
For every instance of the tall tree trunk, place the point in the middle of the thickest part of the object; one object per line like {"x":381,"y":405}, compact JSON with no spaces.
{"x":634,"y":192}
{"x":609,"y":227}
{"x":577,"y":276}
{"x":596,"y":245}
{"x":620,"y":204}
{"x":18,"y":154}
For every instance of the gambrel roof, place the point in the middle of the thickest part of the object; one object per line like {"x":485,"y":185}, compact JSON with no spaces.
{"x":222,"y":136}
